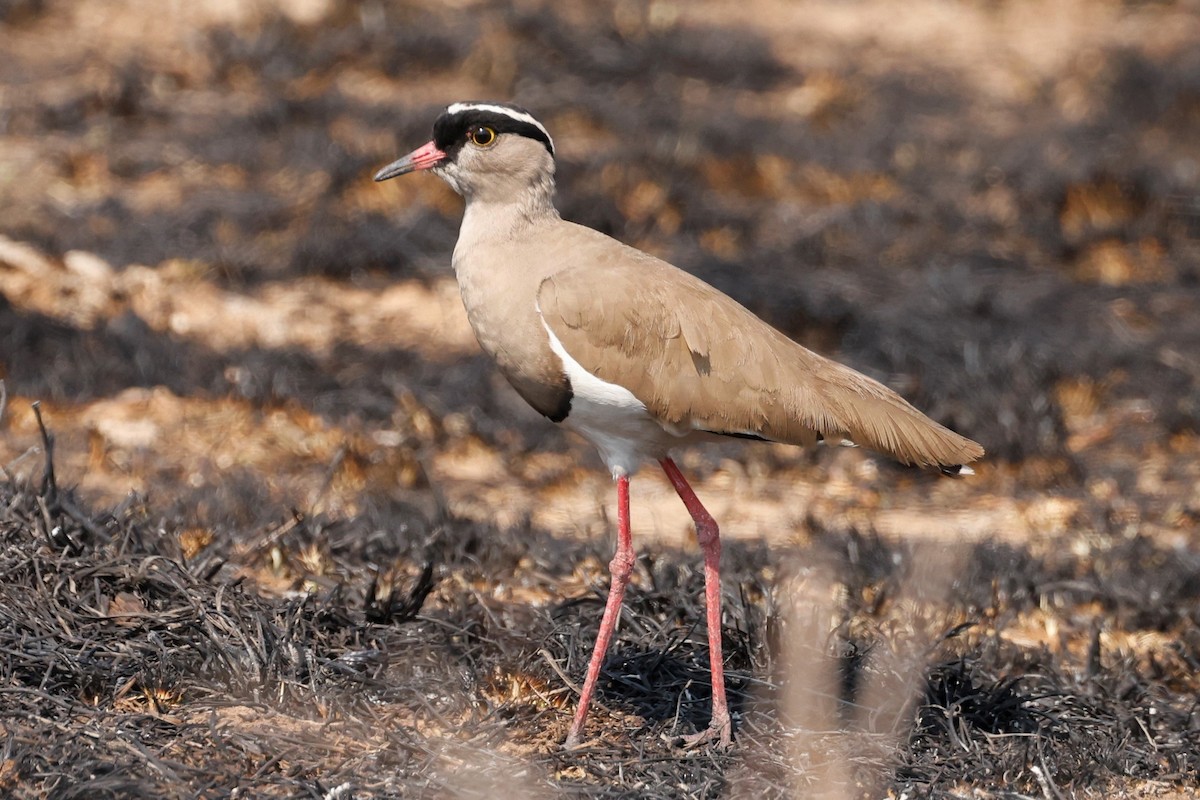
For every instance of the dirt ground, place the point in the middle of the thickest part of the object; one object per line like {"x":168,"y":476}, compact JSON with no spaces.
{"x":301,"y":541}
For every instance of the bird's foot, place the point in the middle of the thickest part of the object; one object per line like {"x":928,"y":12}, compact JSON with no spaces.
{"x":718,"y":733}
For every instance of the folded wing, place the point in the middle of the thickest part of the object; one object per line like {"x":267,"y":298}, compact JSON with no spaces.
{"x":700,"y":361}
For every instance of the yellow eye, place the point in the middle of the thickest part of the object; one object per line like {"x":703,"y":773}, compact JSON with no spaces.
{"x":482,"y":136}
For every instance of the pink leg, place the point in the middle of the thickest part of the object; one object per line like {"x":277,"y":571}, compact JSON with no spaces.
{"x":621,"y":568}
{"x":708,"y":535}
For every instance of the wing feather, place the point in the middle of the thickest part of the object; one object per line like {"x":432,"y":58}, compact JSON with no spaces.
{"x":700,"y":361}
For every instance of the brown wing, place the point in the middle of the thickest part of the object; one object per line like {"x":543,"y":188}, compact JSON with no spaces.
{"x":700,"y":361}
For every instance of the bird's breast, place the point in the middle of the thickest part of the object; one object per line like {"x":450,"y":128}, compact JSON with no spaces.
{"x":508,"y":328}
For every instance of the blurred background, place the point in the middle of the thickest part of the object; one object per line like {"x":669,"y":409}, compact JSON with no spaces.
{"x":991,"y":206}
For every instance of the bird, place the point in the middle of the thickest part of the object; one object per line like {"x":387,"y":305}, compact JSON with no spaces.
{"x":638,"y":356}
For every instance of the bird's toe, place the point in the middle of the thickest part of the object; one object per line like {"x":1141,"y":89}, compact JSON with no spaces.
{"x":719,"y":734}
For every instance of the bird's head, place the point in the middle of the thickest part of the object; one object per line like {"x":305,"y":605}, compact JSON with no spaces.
{"x":483,"y":149}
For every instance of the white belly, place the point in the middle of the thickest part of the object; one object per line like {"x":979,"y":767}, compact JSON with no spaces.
{"x":611,"y":418}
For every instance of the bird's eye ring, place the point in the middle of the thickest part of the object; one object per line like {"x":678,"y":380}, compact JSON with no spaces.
{"x":482,"y":136}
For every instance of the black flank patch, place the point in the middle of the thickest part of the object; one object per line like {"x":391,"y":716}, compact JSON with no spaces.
{"x":559,"y":413}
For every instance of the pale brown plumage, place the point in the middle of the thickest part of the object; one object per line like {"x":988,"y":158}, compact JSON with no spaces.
{"x":700,"y":361}
{"x":636,"y":355}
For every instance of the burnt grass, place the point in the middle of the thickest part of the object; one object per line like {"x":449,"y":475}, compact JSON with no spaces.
{"x":132,"y":671}
{"x":1013,"y":250}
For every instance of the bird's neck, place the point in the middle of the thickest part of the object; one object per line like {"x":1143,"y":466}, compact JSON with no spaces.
{"x":504,"y":215}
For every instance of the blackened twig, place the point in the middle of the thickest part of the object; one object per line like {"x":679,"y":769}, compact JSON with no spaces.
{"x":395,"y":609}
{"x":49,"y":489}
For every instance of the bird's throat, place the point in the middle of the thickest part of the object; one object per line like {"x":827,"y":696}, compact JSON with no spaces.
{"x":491,"y":218}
